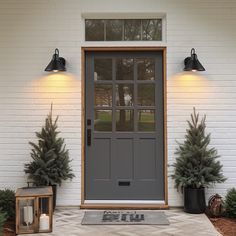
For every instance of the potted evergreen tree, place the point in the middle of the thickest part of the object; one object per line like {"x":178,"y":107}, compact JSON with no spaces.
{"x":51,"y":162}
{"x":196,"y":165}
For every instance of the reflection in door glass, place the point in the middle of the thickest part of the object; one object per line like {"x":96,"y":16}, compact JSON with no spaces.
{"x":103,"y":120}
{"x":124,"y":120}
{"x":146,"y":94}
{"x":114,"y":30}
{"x":124,"y":69}
{"x":146,"y":120}
{"x":124,"y":94}
{"x":103,"y":95}
{"x":152,"y":29}
{"x":94,"y":30}
{"x":132,"y":29}
{"x":102,"y":69}
{"x":146,"y":69}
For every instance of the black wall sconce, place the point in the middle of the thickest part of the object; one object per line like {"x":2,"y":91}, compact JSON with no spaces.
{"x":57,"y":63}
{"x":192,"y":63}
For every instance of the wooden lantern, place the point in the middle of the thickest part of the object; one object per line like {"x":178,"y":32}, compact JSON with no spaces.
{"x":34,"y":210}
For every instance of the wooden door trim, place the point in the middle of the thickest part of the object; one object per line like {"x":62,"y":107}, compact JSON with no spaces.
{"x":83,"y":145}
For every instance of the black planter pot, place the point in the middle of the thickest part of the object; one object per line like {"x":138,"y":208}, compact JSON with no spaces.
{"x":54,"y":190}
{"x":194,"y":200}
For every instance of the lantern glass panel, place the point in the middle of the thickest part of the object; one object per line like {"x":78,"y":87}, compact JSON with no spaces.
{"x":44,"y":214}
{"x":26,"y":216}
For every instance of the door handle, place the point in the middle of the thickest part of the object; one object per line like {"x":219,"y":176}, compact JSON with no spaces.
{"x":89,"y":137}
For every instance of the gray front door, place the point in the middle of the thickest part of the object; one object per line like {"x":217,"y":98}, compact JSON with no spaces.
{"x":124,"y":126}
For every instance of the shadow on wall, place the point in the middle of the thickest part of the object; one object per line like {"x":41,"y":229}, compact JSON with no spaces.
{"x":58,"y":88}
{"x":191,"y":87}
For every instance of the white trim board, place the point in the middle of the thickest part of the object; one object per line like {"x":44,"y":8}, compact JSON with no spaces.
{"x":148,"y":202}
{"x":122,"y":15}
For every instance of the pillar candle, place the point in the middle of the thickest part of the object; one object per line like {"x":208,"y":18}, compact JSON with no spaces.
{"x":28,"y":214}
{"x":44,"y":222}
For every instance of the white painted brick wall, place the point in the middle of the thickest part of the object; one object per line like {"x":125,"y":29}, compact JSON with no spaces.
{"x":30,"y":31}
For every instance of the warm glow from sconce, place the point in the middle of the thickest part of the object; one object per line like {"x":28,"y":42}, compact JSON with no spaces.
{"x":191,"y":87}
{"x":59,"y":88}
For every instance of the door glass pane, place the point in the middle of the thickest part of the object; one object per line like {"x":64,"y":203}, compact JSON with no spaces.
{"x":132,"y":30}
{"x":124,"y":94}
{"x":102,"y":69}
{"x":146,"y":94}
{"x":146,"y":120}
{"x":152,"y":29}
{"x":124,"y":69}
{"x":146,"y":69}
{"x":124,"y":120}
{"x":103,"y":120}
{"x":114,"y":30}
{"x":94,"y":30}
{"x":103,"y":95}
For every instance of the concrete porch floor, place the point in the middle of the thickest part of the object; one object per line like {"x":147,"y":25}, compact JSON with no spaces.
{"x":67,"y":222}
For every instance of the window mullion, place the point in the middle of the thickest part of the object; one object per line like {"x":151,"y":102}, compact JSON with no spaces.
{"x":141,"y":26}
{"x":105,"y":27}
{"x":123,"y":30}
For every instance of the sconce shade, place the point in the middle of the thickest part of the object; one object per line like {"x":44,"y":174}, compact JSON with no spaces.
{"x":192,"y":63}
{"x":57,"y":63}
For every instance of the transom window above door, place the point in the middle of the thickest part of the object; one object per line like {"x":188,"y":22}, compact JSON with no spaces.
{"x":123,"y":29}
